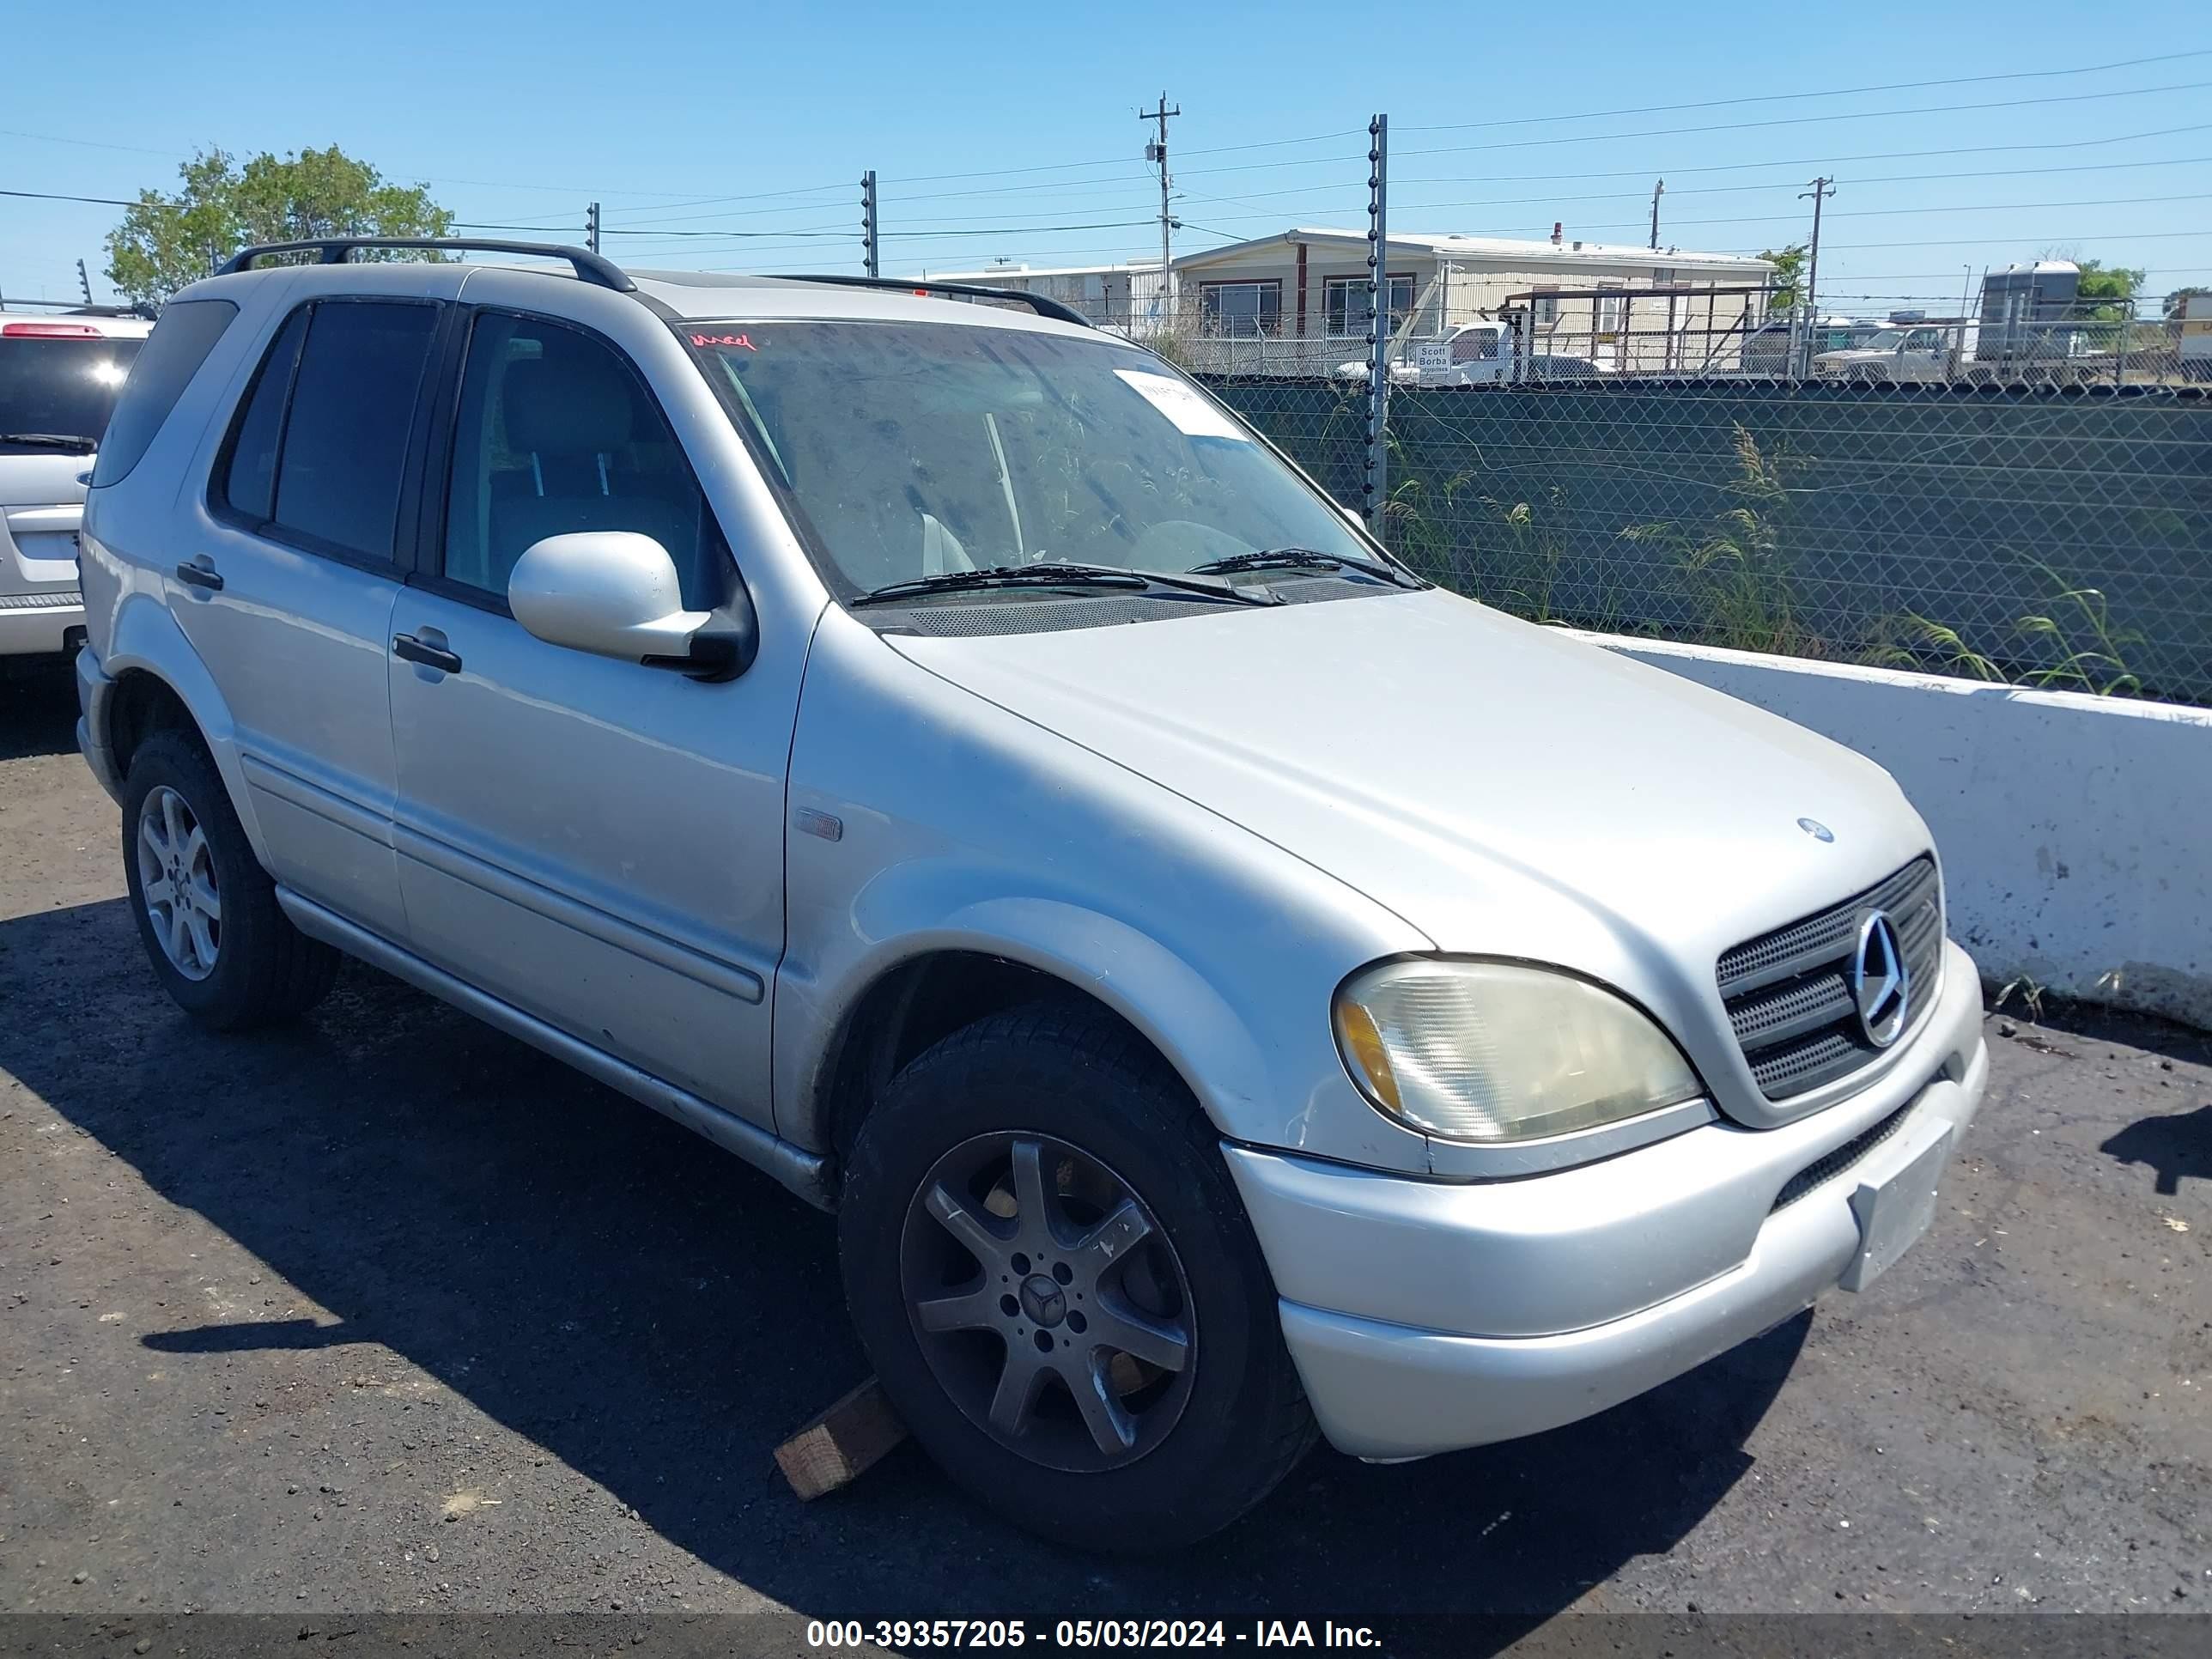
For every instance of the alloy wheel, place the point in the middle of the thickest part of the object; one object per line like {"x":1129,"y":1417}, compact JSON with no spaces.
{"x":176,"y":883}
{"x":1048,"y":1301}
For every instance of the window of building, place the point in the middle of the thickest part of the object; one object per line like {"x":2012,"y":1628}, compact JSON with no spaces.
{"x":1544,"y":307}
{"x":1242,"y":310}
{"x":1345,"y":300}
{"x":1608,"y":312}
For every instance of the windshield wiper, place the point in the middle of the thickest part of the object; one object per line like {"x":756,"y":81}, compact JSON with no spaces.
{"x":1052,"y":573}
{"x":51,"y":441}
{"x":1294,"y":558}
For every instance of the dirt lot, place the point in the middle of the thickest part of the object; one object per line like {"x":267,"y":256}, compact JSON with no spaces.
{"x":389,"y":1312}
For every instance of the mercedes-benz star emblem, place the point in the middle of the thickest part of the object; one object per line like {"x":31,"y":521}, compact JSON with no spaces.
{"x":1881,"y":983}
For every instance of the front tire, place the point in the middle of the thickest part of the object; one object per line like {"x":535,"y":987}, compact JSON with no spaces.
{"x":206,"y":910}
{"x":1049,"y":1267}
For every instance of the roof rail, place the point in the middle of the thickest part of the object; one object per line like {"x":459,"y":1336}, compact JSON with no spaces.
{"x":590,"y":267}
{"x":1037,"y":302}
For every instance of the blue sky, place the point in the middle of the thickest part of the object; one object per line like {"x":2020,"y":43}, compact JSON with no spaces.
{"x":1006,"y":121}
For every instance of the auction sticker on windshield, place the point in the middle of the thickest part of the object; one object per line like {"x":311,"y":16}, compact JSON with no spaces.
{"x":1194,"y":417}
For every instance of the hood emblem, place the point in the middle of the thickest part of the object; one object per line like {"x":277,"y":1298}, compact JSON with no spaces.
{"x":1814,"y":828}
{"x":1882,"y":982}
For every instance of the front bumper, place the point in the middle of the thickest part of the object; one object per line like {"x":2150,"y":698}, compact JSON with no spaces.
{"x":1425,"y":1317}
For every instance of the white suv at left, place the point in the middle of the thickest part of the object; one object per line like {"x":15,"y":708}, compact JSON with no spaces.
{"x":59,"y":378}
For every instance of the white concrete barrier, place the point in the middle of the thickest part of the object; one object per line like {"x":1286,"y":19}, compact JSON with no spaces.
{"x":2076,"y":831}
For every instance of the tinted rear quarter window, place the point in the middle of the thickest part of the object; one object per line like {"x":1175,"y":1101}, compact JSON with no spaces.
{"x":250,"y":481}
{"x":164,"y":366}
{"x":342,"y":454}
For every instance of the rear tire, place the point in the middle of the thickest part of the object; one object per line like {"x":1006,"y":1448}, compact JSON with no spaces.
{"x":1175,"y":1441}
{"x":206,"y":910}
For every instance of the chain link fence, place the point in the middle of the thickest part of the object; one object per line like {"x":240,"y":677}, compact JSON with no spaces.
{"x":2049,"y":528}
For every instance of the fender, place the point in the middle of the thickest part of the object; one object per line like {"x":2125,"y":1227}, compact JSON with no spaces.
{"x":908,"y":916}
{"x":145,"y":638}
{"x":1251,"y":1084}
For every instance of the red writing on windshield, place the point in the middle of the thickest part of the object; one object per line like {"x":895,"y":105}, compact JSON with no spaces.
{"x":744,"y":340}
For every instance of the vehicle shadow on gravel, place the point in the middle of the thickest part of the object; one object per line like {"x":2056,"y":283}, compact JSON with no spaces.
{"x":658,"y":1317}
{"x":2176,"y":1146}
{"x":38,"y":709}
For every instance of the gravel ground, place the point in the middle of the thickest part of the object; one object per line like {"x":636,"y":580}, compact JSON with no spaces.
{"x":387,"y":1312}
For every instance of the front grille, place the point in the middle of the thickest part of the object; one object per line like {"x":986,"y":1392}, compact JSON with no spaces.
{"x":1789,"y":992}
{"x":61,"y":601}
{"x":1835,"y":1162}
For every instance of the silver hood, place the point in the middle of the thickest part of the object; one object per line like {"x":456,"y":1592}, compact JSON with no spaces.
{"x":1507,"y":789}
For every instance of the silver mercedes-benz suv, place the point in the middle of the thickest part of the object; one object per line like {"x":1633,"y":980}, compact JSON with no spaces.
{"x":839,"y":715}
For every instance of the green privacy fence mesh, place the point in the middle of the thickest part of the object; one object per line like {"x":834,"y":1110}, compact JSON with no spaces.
{"x":2045,"y":535}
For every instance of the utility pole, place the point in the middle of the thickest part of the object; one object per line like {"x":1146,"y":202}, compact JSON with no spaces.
{"x":591,"y":227}
{"x":1658,"y":191}
{"x":1820,"y":190}
{"x":85,"y":282}
{"x":868,"y":221}
{"x":1378,"y":318}
{"x":1157,"y":152}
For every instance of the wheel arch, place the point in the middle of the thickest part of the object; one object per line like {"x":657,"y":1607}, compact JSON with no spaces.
{"x":153,"y":680}
{"x":911,"y":994}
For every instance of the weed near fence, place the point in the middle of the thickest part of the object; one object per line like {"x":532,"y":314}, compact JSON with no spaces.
{"x":2041,"y":536}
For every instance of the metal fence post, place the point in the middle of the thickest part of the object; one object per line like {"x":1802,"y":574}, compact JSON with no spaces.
{"x":868,"y":231}
{"x":1378,"y":318}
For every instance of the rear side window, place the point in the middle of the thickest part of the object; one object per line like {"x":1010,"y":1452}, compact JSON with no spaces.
{"x":164,"y":366}
{"x":320,"y":450}
{"x":250,"y":485}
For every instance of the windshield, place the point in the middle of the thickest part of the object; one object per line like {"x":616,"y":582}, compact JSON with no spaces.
{"x":65,"y":388}
{"x":920,"y":450}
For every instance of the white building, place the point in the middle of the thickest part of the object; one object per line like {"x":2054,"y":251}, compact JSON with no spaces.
{"x":1296,"y":301}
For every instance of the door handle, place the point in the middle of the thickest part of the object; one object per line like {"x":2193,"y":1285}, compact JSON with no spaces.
{"x":430,"y":656}
{"x":200,"y":576}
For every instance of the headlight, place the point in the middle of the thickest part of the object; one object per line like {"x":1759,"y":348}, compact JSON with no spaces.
{"x":1488,"y":1051}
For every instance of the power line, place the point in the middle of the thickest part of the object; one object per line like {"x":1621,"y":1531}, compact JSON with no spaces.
{"x":1748,"y":167}
{"x":1736,"y":167}
{"x":904,"y":235}
{"x":1839,"y":92}
{"x":613,"y":230}
{"x":1113,"y":162}
{"x":736,"y":213}
{"x":103,"y":201}
{"x":1067,"y":167}
{"x":2102,"y":235}
{"x":1775,"y":185}
{"x":431,"y":179}
{"x":1748,"y":126}
{"x":1876,"y":213}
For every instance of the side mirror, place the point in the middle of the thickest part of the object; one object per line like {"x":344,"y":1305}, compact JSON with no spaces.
{"x":615,"y":593}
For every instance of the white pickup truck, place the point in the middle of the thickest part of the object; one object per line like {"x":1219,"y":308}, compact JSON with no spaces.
{"x":1475,"y":354}
{"x":1896,"y":356}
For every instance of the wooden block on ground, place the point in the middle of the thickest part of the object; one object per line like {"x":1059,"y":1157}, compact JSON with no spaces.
{"x":842,"y":1443}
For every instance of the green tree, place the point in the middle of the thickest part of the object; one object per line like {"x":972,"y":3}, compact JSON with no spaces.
{"x":2107,"y":293}
{"x":220,"y":206}
{"x":1788,"y":264}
